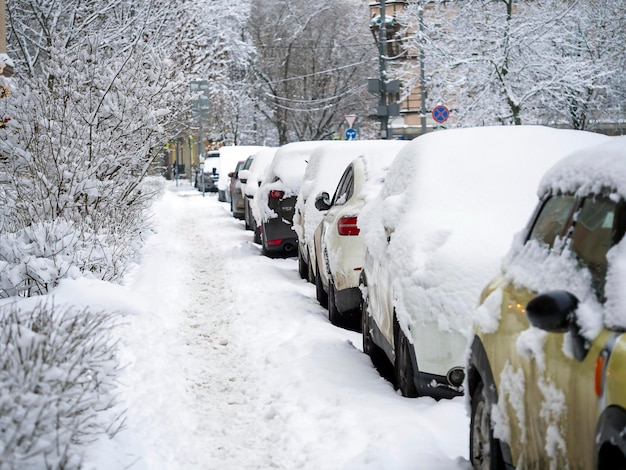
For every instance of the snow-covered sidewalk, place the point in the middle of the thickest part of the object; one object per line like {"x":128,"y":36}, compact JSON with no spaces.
{"x":232,"y":364}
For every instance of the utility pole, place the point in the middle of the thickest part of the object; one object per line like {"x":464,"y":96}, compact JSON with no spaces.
{"x":200,"y":108}
{"x":420,"y":12}
{"x":381,"y":86}
{"x":6,"y":64}
{"x":382,"y":68}
{"x":3,"y":28}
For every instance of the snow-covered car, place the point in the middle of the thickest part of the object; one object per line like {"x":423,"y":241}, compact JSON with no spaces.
{"x":547,"y":369}
{"x":276,"y":198}
{"x":230,"y":155}
{"x":325,"y":167}
{"x":337,"y":249}
{"x":234,"y":188}
{"x":237,"y":204}
{"x":451,"y":202}
{"x":207,"y":176}
{"x":251,"y":179}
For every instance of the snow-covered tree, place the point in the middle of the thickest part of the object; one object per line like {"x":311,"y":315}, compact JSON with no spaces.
{"x":94,"y":91}
{"x":311,"y":64}
{"x":218,"y":50}
{"x":519,"y":61}
{"x":590,"y":88}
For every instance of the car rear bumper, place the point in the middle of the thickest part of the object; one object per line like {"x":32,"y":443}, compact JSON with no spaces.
{"x":348,"y":299}
{"x":286,"y":246}
{"x":436,"y":386}
{"x":279,"y":238}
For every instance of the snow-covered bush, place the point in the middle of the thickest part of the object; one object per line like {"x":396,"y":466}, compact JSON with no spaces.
{"x":57,"y":374}
{"x":89,"y":108}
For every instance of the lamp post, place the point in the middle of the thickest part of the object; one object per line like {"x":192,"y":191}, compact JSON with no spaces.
{"x":382,"y":68}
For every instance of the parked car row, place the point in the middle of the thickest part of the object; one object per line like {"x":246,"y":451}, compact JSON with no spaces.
{"x":426,"y":248}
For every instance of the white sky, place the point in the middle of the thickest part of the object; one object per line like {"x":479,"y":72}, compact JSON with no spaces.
{"x":232,"y":364}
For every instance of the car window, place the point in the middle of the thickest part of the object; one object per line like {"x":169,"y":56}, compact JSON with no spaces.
{"x":552,"y":219}
{"x":593,"y":235}
{"x":344,"y":188}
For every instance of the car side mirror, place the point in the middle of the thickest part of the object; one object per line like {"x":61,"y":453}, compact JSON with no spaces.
{"x":322,"y":201}
{"x":243,"y":176}
{"x":231,"y":174}
{"x":555,"y":312}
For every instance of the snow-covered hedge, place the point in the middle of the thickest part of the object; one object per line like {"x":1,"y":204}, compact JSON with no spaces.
{"x":37,"y":250}
{"x":57,"y":374}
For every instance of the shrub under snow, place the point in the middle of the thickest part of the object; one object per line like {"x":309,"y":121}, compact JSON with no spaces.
{"x":57,"y":374}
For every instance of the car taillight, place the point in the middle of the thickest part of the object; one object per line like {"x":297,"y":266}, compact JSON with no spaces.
{"x":275,"y":194}
{"x":276,"y":242}
{"x":347,"y":226}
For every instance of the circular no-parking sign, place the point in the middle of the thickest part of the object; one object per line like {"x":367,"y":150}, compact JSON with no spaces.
{"x":441,"y":113}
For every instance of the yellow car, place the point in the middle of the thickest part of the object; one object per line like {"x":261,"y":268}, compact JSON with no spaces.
{"x":546,"y":373}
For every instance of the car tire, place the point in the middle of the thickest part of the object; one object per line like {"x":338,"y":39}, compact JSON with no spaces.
{"x":320,"y":293}
{"x":333,"y":313}
{"x":484,"y":448}
{"x":310,"y":273}
{"x":375,"y":353}
{"x":368,"y":343}
{"x":403,"y":367}
{"x":303,"y":268}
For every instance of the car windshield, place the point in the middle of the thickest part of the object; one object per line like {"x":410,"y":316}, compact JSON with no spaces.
{"x":552,"y":219}
{"x":593,"y":236}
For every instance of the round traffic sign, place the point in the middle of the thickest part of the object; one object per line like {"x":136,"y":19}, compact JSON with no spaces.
{"x":350,"y":134}
{"x":441,"y":113}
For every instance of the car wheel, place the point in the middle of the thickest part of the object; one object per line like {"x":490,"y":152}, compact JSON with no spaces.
{"x":484,"y":448}
{"x":320,"y":293}
{"x":333,"y":314}
{"x":376,"y":354}
{"x":368,"y":344}
{"x":403,"y":366}
{"x":310,"y":273}
{"x":303,"y":268}
{"x":257,"y":235}
{"x":611,"y":458}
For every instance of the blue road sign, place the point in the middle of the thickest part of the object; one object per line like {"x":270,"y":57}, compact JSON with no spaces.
{"x":350,"y":134}
{"x":441,"y":113}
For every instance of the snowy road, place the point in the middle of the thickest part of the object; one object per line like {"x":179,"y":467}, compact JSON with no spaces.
{"x":232,"y":364}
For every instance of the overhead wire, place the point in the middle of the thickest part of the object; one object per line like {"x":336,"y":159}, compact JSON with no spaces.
{"x":282,"y":80}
